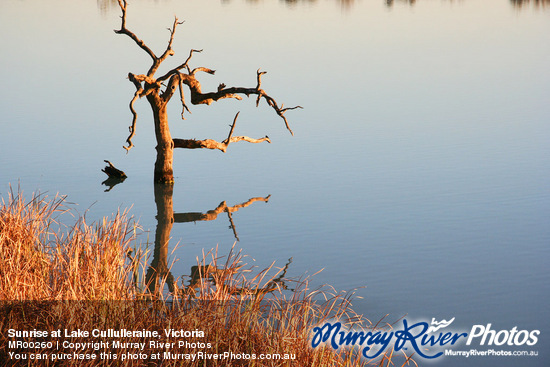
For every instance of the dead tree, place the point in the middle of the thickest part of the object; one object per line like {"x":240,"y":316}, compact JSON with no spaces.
{"x":158,"y":91}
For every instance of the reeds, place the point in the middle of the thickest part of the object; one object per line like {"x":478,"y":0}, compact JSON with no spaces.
{"x":82,"y":278}
{"x":39,"y":261}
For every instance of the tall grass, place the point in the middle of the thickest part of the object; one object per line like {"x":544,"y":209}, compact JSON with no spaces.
{"x":40,"y":262}
{"x":82,"y":277}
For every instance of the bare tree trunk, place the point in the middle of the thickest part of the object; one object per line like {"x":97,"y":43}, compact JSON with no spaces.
{"x":165,"y":144}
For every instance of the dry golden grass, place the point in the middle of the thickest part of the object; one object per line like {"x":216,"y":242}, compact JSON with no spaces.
{"x":83,"y":278}
{"x":86,"y":262}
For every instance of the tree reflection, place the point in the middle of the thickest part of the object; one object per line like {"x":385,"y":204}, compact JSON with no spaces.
{"x":210,"y":273}
{"x":112,"y":182}
{"x":213,"y":214}
{"x":158,"y":274}
{"x":159,"y":271}
{"x":516,"y":3}
{"x":536,"y":3}
{"x":390,"y":3}
{"x":106,"y":6}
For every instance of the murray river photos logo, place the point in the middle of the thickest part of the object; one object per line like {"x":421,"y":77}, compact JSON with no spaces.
{"x":428,"y":341}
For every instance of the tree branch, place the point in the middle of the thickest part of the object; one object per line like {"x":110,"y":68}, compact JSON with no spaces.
{"x":132,"y":127}
{"x":226,"y":141}
{"x":113,"y":172}
{"x":197,"y":97}
{"x":173,"y":83}
{"x":123,"y":30}
{"x":213,"y":144}
{"x":182,"y":99}
{"x":156,"y":60}
{"x":178,"y":68}
{"x":167,"y":52}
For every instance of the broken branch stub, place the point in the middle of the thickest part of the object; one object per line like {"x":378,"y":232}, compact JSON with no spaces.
{"x":113,"y":172}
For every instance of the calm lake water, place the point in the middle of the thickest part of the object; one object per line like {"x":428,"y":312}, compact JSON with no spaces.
{"x":419,"y":168}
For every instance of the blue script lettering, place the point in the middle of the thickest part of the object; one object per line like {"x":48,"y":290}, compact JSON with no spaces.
{"x":323,"y":333}
{"x":442,"y":339}
{"x":416,"y":335}
{"x":377,"y":338}
{"x":340,"y":338}
{"x":406,"y":336}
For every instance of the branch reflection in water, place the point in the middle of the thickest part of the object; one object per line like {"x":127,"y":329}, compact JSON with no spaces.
{"x":159,"y":274}
{"x":111,"y":182}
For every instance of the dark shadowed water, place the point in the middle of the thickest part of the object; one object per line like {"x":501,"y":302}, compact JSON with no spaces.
{"x":419,"y":169}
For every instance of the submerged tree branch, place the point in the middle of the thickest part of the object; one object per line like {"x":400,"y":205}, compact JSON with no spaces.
{"x":113,"y":172}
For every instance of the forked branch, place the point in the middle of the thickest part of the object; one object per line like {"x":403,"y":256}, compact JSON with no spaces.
{"x":197,"y":97}
{"x":123,"y":30}
{"x":156,"y":60}
{"x":213,"y":144}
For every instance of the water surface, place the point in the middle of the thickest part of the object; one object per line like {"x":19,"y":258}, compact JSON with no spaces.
{"x":419,"y":168}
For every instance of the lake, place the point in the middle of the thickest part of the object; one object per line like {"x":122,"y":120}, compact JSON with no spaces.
{"x":419,"y":168}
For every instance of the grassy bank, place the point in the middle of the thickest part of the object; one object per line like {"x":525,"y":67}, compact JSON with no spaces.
{"x":86,"y":277}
